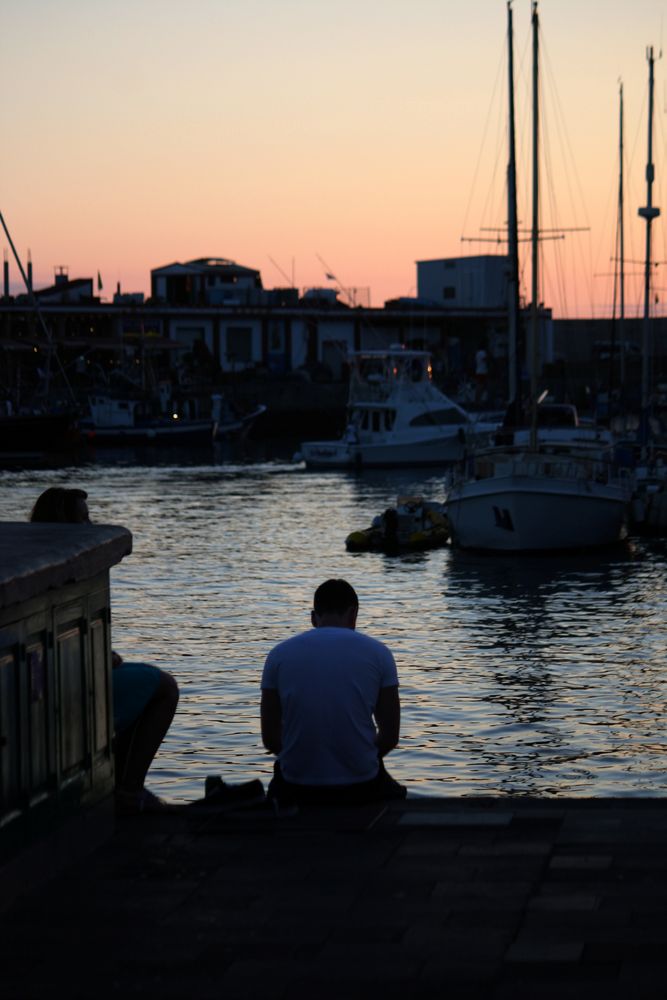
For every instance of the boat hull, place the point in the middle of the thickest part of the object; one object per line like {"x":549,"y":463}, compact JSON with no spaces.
{"x":154,"y":434}
{"x":525,"y":514}
{"x":45,"y":433}
{"x":340,"y":455}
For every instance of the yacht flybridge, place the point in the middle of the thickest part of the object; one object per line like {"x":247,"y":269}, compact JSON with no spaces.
{"x":396,"y":416}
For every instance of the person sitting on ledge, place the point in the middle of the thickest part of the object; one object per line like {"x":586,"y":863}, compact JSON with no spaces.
{"x":144,"y":697}
{"x":330,"y":709}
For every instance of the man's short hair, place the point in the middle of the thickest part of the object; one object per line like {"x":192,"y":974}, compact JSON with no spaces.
{"x":334,"y":596}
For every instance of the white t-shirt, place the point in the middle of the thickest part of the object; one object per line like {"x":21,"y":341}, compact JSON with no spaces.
{"x":328,"y":681}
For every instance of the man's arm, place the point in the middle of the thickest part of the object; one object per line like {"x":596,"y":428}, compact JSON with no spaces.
{"x":388,"y":719}
{"x":272,"y":721}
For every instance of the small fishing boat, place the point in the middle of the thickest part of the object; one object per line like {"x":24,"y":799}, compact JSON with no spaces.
{"x":119,"y":421}
{"x":413,"y":525}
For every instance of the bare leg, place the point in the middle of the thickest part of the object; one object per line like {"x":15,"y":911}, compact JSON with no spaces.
{"x":137,"y":746}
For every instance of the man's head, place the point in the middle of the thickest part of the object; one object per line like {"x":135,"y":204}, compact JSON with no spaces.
{"x":335,"y":604}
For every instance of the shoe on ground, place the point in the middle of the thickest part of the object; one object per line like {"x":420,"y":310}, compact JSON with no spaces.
{"x":220,"y":795}
{"x":138,"y":803}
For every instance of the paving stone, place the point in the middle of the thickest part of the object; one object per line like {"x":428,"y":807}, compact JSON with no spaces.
{"x":564,"y":902}
{"x":528,"y":948}
{"x":507,"y":899}
{"x":589,"y":862}
{"x":446,"y":819}
{"x":511,"y":848}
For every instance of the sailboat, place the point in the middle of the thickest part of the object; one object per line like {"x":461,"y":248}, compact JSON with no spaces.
{"x":552,"y":485}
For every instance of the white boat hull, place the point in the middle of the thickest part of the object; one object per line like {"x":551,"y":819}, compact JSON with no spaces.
{"x":531,"y":513}
{"x":339,"y":454}
{"x":396,"y":417}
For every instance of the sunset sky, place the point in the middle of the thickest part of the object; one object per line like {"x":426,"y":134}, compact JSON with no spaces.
{"x":370,"y":133}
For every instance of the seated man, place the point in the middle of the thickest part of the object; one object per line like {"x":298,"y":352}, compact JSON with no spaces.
{"x":330,"y":708}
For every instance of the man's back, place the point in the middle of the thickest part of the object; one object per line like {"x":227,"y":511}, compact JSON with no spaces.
{"x":328,"y":680}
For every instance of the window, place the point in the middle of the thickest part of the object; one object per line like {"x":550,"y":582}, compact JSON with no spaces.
{"x":438,"y":418}
{"x":239,"y":343}
{"x":449,"y":292}
{"x":276,"y":337}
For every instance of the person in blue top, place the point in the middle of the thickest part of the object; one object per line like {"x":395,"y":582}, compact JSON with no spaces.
{"x":144,"y":697}
{"x":330,"y":708}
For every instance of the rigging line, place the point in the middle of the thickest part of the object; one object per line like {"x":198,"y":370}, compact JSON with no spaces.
{"x":569,"y":168}
{"x":496,"y":183}
{"x":607,"y":229}
{"x":635,"y":197}
{"x":660,"y":180}
{"x":279,"y":268}
{"x":492,"y":103}
{"x":35,"y":305}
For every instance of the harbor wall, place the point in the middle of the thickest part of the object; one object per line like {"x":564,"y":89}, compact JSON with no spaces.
{"x":56,"y":720}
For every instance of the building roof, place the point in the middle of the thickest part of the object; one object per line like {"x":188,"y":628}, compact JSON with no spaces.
{"x":203,"y":265}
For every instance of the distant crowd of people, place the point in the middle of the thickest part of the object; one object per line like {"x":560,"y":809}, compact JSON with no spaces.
{"x":329,"y":709}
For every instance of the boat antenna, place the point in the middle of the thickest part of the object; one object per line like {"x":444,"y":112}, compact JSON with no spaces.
{"x":290,"y":281}
{"x":332,"y":277}
{"x":40,"y":318}
{"x":649,"y":212}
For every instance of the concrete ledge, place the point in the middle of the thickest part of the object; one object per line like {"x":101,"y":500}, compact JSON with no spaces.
{"x":35,"y":558}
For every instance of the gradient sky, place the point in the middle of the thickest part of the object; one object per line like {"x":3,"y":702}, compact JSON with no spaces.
{"x":370,"y":133}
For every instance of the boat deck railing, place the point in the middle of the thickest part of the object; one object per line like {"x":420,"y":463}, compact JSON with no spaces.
{"x":544,"y":465}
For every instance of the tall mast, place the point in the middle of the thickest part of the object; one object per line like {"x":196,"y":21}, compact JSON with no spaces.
{"x":621,"y":241}
{"x":512,"y":231}
{"x":535,"y":234}
{"x":649,"y":213}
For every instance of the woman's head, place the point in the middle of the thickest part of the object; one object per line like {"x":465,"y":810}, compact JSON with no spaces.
{"x":58,"y":505}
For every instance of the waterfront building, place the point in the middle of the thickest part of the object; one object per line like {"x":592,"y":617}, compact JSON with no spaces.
{"x":210,"y":321}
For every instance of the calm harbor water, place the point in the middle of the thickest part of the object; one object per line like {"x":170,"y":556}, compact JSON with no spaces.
{"x":535,"y":675}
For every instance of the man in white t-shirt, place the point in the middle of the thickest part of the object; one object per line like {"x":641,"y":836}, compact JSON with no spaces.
{"x":330,"y":708}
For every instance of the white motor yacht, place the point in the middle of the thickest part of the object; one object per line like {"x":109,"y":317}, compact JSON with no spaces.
{"x":396,"y":416}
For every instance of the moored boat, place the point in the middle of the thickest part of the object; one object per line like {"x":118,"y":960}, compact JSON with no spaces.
{"x":396,"y":416}
{"x":549,"y":484}
{"x":413,"y":525}
{"x":115,"y":421}
{"x":517,"y":499}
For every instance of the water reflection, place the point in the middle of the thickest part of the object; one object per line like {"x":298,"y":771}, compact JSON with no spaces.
{"x":540,"y":675}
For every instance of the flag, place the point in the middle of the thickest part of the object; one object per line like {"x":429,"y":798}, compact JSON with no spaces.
{"x":99,"y":282}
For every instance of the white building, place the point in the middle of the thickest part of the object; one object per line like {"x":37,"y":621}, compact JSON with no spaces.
{"x":464,"y":282}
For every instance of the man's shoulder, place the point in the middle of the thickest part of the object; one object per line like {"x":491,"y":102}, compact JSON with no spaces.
{"x":292,"y":642}
{"x":326,"y":636}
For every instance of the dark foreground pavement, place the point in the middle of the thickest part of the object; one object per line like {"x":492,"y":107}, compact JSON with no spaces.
{"x":493,"y":898}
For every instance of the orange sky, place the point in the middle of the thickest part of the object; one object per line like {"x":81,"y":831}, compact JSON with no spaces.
{"x":370,"y":133}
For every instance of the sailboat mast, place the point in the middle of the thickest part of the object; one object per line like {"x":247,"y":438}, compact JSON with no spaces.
{"x":512,"y":230}
{"x":621,"y":241}
{"x":649,"y":213}
{"x":535,"y":233}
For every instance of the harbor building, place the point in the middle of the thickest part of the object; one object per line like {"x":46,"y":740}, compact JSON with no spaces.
{"x":478,"y":282}
{"x":210,"y":321}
